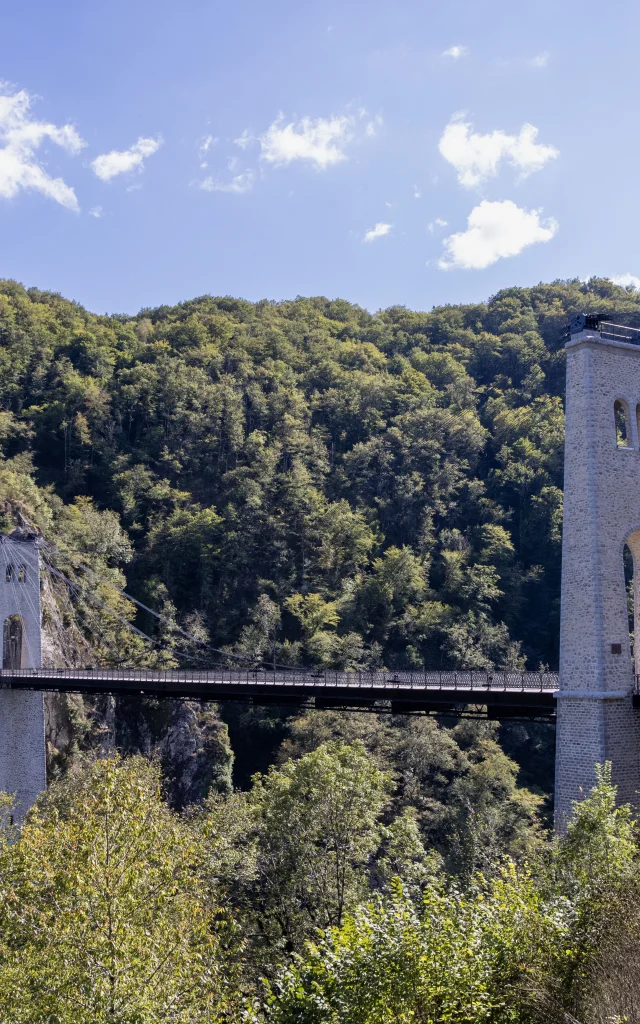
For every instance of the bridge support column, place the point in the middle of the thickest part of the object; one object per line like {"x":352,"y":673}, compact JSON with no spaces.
{"x":596,"y":718}
{"x":23,"y":769}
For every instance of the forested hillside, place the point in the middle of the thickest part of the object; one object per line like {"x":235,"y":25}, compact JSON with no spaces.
{"x":300,"y":481}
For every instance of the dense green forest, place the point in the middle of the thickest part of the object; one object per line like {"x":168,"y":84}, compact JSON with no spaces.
{"x":308,"y":483}
{"x":299,"y":481}
{"x":305,"y":479}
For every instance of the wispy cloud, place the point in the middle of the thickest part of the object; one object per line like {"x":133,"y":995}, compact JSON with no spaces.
{"x":478,"y":157}
{"x":437,"y":223}
{"x":417,"y":194}
{"x":627,"y":281}
{"x":22,"y":136}
{"x":495,"y":231}
{"x":320,"y":142}
{"x":379,"y":231}
{"x":244,"y":140}
{"x":456,"y":52}
{"x":207,"y":142}
{"x":123,"y":161}
{"x":540,"y":60}
{"x":238,"y":184}
{"x":96,"y":211}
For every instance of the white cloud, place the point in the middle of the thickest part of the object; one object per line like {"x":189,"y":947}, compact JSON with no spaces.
{"x":206,"y":143}
{"x":478,"y":157}
{"x":456,"y":52}
{"x":379,"y":231}
{"x":627,"y":281}
{"x":240,"y":183}
{"x":417,"y":194}
{"x":244,"y":140}
{"x":321,"y":142}
{"x":21,"y":137}
{"x":495,"y":231}
{"x":108,"y":165}
{"x":540,"y":60}
{"x":96,"y":211}
{"x":437,"y":223}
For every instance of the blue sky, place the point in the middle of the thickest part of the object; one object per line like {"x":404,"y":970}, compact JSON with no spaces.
{"x":384,"y":152}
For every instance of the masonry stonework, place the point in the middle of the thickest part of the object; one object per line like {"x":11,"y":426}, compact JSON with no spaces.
{"x":596,"y":718}
{"x":22,"y":736}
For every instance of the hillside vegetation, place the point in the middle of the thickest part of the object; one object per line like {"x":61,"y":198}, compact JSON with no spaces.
{"x":307,"y":483}
{"x":349,"y":489}
{"x":307,"y":900}
{"x":300,"y":481}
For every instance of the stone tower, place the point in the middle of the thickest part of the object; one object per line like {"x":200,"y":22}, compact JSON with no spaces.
{"x":22,"y":741}
{"x":596,"y":718}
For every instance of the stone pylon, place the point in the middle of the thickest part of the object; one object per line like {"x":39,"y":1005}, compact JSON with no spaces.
{"x":22,"y":737}
{"x":596,"y":718}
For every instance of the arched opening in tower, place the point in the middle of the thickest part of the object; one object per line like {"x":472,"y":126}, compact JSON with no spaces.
{"x":13,"y":643}
{"x":631,"y":559}
{"x":622,"y":423}
{"x":629,"y":584}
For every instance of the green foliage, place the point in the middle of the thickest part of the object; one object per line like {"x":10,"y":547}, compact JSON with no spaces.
{"x":403,"y":469}
{"x":305,"y":482}
{"x":556,"y":943}
{"x":105,"y":914}
{"x":458,"y":957}
{"x":600,"y":846}
{"x":458,"y":786}
{"x":595,"y":867}
{"x":116,"y":909}
{"x":317,"y":822}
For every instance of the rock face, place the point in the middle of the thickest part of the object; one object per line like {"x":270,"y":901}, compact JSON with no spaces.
{"x":188,"y":737}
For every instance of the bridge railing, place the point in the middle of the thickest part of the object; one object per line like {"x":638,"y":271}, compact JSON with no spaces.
{"x":321,"y":679}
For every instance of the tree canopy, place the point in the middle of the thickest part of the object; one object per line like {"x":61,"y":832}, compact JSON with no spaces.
{"x":304,"y":479}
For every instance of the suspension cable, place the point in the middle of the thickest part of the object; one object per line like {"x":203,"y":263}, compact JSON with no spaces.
{"x":76,"y":588}
{"x":163,"y":618}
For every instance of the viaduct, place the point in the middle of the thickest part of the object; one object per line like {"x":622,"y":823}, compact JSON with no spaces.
{"x":594,"y":698}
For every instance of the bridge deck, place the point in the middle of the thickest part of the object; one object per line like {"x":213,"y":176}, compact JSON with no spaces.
{"x":517,"y":693}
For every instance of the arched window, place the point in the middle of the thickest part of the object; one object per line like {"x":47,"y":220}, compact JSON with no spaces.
{"x":8,"y":575}
{"x":631,"y":595}
{"x":13,"y":643}
{"x":22,"y":574}
{"x":621,"y":418}
{"x":632,"y":583}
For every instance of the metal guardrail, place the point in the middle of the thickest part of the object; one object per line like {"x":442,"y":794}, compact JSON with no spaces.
{"x":605,"y":328}
{"x":321,"y":680}
{"x":618,"y":332}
